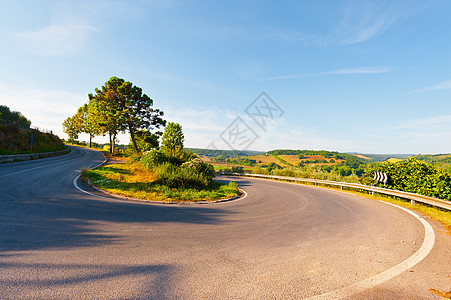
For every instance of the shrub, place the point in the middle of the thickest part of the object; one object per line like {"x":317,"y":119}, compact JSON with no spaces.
{"x":198,"y":166}
{"x":154,"y":158}
{"x":413,"y":176}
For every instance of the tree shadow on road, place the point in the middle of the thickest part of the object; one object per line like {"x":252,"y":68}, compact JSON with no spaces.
{"x":62,"y":280}
{"x":70,"y":219}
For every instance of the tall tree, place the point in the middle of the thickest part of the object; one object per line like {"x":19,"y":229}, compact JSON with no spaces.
{"x":70,"y":128}
{"x":146,"y":140}
{"x":172,"y":139}
{"x":105,"y":114}
{"x":14,"y":118}
{"x":85,"y":123}
{"x":122,"y":106}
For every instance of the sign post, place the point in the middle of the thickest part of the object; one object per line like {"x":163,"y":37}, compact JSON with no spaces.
{"x":32,"y":141}
{"x":381,"y":177}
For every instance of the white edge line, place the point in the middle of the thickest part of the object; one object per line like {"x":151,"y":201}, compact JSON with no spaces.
{"x":234,"y":199}
{"x":422,"y":252}
{"x":95,"y":167}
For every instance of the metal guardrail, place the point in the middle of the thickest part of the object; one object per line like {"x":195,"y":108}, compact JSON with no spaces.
{"x":373,"y":189}
{"x":30,"y":156}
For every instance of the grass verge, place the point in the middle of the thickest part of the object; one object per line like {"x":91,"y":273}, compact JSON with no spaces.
{"x":134,"y":181}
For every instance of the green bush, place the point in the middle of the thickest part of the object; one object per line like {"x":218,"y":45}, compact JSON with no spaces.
{"x":180,"y":169}
{"x":413,"y":176}
{"x":198,"y":166}
{"x":154,"y":158}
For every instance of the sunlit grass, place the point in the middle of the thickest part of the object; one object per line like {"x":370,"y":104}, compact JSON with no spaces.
{"x":134,"y":181}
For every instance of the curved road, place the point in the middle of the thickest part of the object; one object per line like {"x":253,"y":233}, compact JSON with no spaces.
{"x":283,"y":241}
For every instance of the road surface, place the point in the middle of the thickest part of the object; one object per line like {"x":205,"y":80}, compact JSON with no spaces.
{"x":283,"y":241}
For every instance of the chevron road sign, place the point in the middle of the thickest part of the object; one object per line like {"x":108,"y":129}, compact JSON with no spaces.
{"x":381,"y":177}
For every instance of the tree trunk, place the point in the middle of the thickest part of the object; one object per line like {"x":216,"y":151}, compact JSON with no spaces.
{"x":90,"y":139}
{"x":111,"y":143}
{"x":132,"y":135}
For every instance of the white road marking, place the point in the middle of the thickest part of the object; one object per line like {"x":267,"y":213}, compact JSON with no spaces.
{"x":31,"y":169}
{"x":425,"y":249}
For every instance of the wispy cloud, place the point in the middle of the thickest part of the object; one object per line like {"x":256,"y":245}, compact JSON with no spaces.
{"x":440,"y":86}
{"x":436,"y":122}
{"x":345,"y":71}
{"x":365,"y":20}
{"x":56,"y":39}
{"x":45,"y":108}
{"x":371,"y":25}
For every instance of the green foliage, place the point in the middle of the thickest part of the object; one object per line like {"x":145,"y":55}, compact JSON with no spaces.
{"x":13,"y":118}
{"x":442,"y":161}
{"x":198,"y":166}
{"x":120,"y":106}
{"x":15,"y":140}
{"x":224,"y":153}
{"x":145,"y":140}
{"x":70,"y":128}
{"x":107,"y":178}
{"x":413,"y":176}
{"x":234,"y":169}
{"x":153,"y":158}
{"x":281,"y":160}
{"x":178,"y":169}
{"x":185,"y":176}
{"x":173,"y":138}
{"x":243,"y":161}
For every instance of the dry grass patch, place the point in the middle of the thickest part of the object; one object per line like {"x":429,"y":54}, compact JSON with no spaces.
{"x":134,"y":181}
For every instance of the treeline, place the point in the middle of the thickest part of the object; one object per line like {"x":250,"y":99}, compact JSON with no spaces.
{"x":413,"y":176}
{"x":442,"y":161}
{"x":118,"y":106}
{"x":13,"y":118}
{"x":243,"y":161}
{"x":224,"y":153}
{"x":303,"y":153}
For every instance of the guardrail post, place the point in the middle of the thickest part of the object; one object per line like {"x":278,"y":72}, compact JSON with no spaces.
{"x":341,"y":187}
{"x":412,"y":202}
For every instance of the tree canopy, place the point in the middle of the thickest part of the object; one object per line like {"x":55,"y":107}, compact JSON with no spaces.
{"x":173,"y":138}
{"x":120,"y":106}
{"x":14,"y":118}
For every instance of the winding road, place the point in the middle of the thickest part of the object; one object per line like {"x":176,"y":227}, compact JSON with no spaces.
{"x":282,"y":241}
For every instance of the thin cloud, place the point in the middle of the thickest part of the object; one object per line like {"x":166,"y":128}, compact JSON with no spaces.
{"x":440,"y":86}
{"x":56,"y":39}
{"x":366,"y":20}
{"x":369,"y":27}
{"x":437,"y":122}
{"x":346,"y":71}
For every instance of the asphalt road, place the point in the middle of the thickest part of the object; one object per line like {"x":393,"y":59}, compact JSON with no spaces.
{"x":283,"y":241}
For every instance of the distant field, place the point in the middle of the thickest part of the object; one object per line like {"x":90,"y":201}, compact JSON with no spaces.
{"x":265,"y":159}
{"x":362,"y":156}
{"x":394,"y":160}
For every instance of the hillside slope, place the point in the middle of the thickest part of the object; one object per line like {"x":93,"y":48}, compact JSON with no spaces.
{"x":14,"y":140}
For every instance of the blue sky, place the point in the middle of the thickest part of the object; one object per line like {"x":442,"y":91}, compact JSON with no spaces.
{"x":364,"y":76}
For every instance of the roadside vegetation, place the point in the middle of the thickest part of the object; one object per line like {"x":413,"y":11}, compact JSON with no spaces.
{"x":168,"y":174}
{"x":405,"y":174}
{"x":15,"y":135}
{"x":165,"y":172}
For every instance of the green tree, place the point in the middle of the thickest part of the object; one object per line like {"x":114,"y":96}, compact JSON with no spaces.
{"x":103,"y":109}
{"x":86,"y":123}
{"x":145,"y":140}
{"x":69,"y":128}
{"x":122,"y":106}
{"x":13,"y":118}
{"x":173,"y":138}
